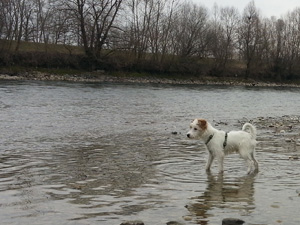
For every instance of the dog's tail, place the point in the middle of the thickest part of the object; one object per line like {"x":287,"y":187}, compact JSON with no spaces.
{"x":251,"y":129}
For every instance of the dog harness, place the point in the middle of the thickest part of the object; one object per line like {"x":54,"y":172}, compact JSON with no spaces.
{"x":211,"y":136}
{"x":225,"y":141}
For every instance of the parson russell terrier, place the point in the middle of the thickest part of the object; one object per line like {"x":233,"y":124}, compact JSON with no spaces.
{"x":220,"y":143}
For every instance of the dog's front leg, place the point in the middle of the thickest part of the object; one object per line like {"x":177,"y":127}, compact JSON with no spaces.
{"x":220,"y":163}
{"x":209,"y":161}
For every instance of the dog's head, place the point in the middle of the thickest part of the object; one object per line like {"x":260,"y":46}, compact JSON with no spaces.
{"x":197,"y":128}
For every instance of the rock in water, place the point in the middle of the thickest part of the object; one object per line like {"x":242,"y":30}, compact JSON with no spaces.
{"x":232,"y":221}
{"x":174,"y":223}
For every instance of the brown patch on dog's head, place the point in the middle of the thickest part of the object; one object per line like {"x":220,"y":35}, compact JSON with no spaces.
{"x":202,"y":124}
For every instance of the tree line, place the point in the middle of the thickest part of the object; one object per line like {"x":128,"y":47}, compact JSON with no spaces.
{"x":161,"y":36}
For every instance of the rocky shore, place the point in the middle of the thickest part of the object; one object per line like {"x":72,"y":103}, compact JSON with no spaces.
{"x":101,"y":76}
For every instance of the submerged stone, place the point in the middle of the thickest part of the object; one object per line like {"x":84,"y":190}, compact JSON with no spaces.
{"x":174,"y":223}
{"x":232,"y":221}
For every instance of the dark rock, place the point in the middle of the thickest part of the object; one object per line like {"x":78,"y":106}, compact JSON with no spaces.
{"x":174,"y":223}
{"x":232,"y":221}
{"x":135,"y":222}
{"x":293,"y":157}
{"x":174,"y":132}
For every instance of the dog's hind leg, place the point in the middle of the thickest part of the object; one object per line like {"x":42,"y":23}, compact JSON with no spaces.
{"x":255,"y":162}
{"x":252,"y":163}
{"x":248,"y":156}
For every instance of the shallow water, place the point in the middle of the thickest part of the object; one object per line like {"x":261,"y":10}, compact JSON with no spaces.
{"x":77,"y":153}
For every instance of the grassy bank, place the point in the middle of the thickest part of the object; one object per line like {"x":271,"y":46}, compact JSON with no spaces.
{"x":34,"y":61}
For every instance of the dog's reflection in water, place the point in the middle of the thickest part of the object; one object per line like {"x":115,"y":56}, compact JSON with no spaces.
{"x":223,"y":193}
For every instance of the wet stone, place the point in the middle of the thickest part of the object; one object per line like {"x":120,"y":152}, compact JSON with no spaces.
{"x":174,"y":223}
{"x":293,"y":157}
{"x":232,"y":221}
{"x":288,"y":140}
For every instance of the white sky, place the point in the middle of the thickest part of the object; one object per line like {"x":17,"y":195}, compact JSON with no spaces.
{"x":267,"y":8}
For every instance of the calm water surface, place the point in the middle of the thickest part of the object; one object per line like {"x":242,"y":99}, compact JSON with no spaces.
{"x":74,"y":153}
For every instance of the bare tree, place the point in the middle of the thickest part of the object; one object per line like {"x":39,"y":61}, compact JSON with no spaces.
{"x":292,"y":43}
{"x":190,"y":32}
{"x":223,"y":36}
{"x":142,"y":13}
{"x":275,"y":30}
{"x":7,"y":20}
{"x":249,"y":35}
{"x":167,"y":24}
{"x":157,"y":34}
{"x":95,"y":20}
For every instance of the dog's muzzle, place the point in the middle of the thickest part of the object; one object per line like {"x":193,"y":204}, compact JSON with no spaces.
{"x":188,"y":135}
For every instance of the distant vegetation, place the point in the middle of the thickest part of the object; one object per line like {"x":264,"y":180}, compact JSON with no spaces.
{"x":150,"y":36}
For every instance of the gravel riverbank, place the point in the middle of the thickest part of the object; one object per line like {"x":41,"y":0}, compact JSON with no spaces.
{"x":102,"y":77}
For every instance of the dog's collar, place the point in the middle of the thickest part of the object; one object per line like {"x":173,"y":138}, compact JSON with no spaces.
{"x":225,"y":141}
{"x":209,"y":139}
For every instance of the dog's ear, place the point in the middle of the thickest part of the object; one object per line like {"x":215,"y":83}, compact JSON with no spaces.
{"x":202,"y":124}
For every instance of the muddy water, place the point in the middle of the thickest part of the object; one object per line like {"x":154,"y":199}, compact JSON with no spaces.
{"x":73,"y":153}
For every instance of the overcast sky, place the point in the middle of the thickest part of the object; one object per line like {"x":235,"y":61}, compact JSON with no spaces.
{"x":267,"y":8}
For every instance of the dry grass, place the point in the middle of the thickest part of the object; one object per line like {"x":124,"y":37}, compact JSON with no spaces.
{"x":40,"y":47}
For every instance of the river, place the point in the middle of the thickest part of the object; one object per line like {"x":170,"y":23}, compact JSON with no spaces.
{"x":103,"y":153}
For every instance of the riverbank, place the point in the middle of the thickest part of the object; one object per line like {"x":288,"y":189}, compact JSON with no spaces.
{"x":101,"y":76}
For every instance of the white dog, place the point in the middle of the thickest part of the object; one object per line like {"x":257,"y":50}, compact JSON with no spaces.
{"x":220,"y":143}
